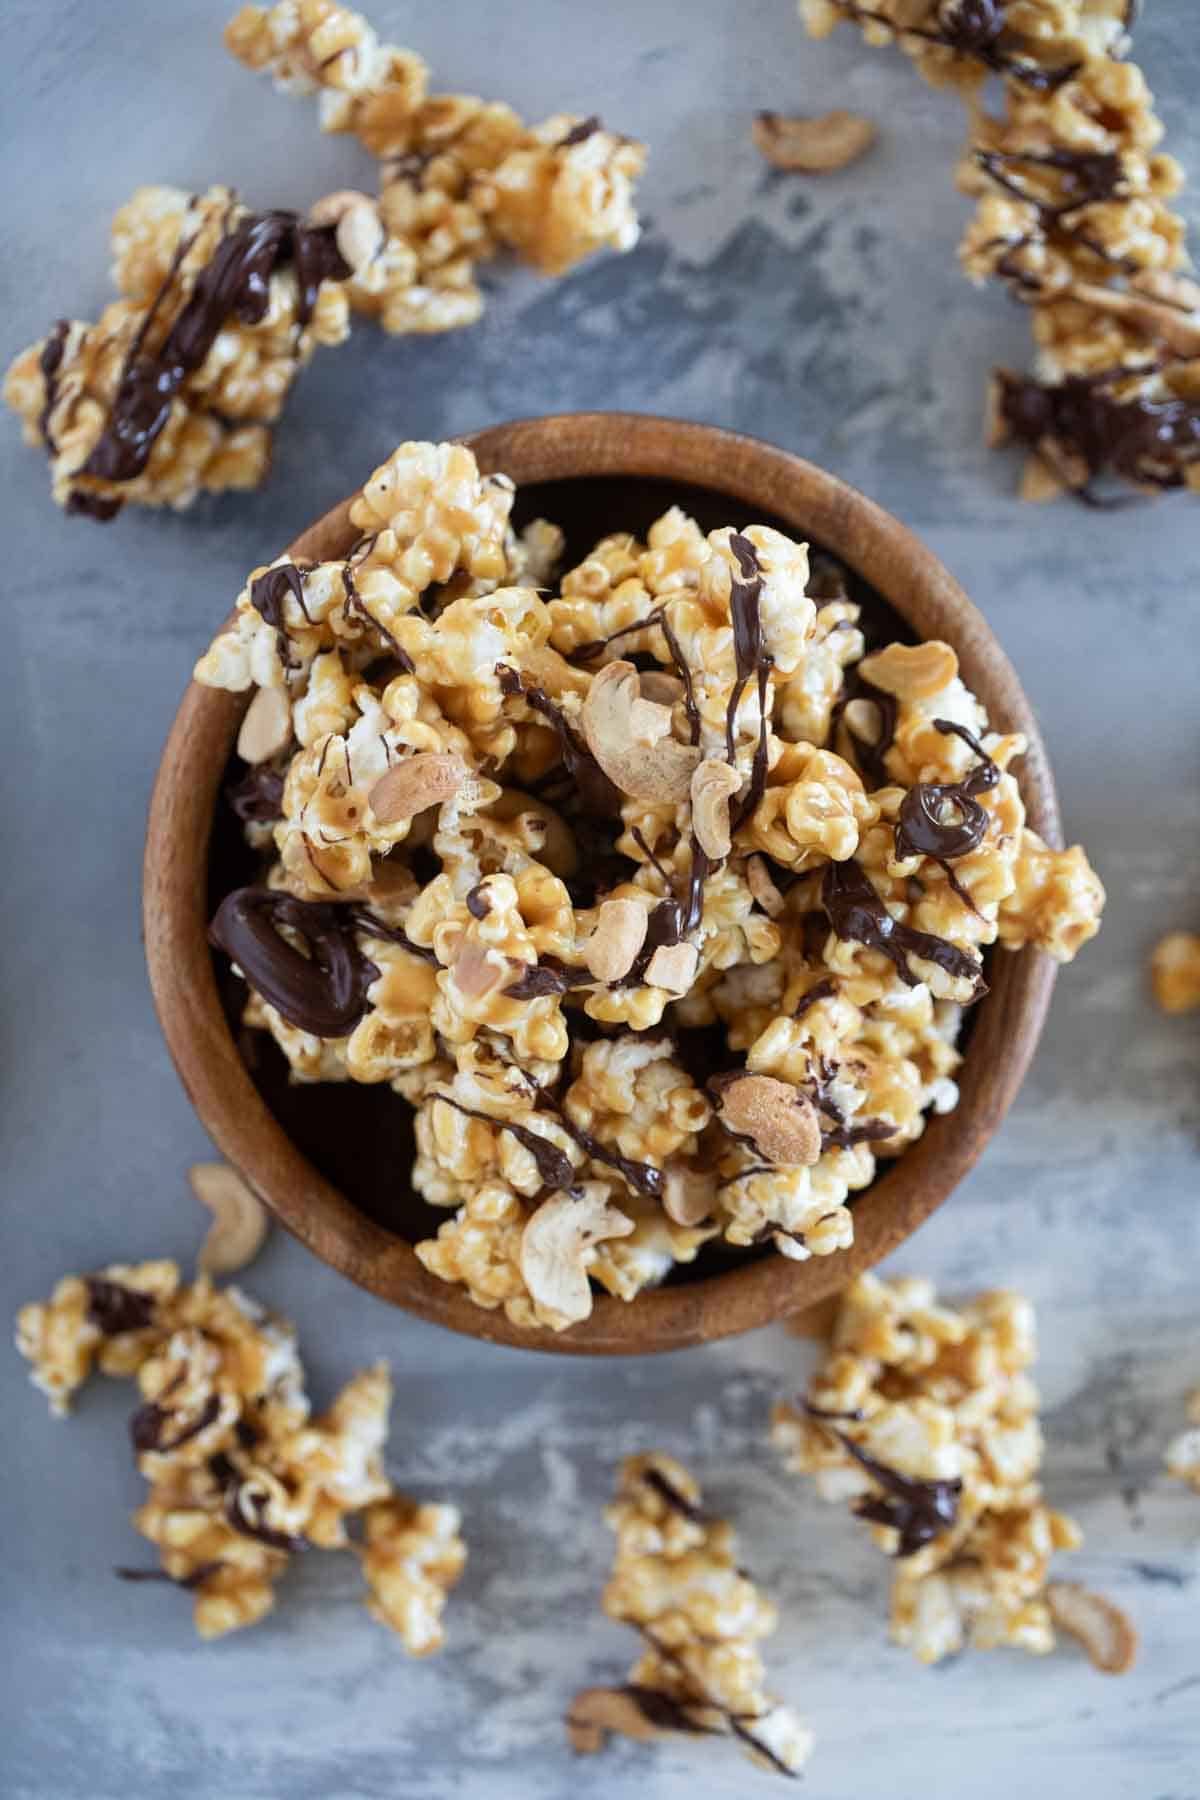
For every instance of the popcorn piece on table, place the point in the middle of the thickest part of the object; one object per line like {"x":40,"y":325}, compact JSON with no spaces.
{"x":925,"y":1419}
{"x":514,"y":870}
{"x":460,"y":178}
{"x":676,"y":1580}
{"x":175,"y":389}
{"x":240,"y":1476}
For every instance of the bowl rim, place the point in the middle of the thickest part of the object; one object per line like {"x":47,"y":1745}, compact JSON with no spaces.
{"x":915,"y":583}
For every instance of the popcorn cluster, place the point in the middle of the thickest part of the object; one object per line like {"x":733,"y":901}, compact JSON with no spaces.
{"x":1073,"y":216}
{"x":174,"y":390}
{"x":676,"y":1580}
{"x":461,"y":179}
{"x":754,"y":833}
{"x":240,"y":1475}
{"x":925,"y":1419}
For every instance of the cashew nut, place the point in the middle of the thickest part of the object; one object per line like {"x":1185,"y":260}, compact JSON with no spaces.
{"x":689,"y":1193}
{"x":359,"y":235}
{"x":673,"y":966}
{"x":620,"y":932}
{"x":332,"y":208}
{"x":762,"y":887}
{"x":554,"y":1252}
{"x":595,"y":1712}
{"x":813,"y":146}
{"x":631,"y":738}
{"x":240,"y":1219}
{"x":267,"y":726}
{"x":779,"y":1120}
{"x":406,"y":789}
{"x":1106,"y":1633}
{"x":714,"y":784}
{"x":912,"y":671}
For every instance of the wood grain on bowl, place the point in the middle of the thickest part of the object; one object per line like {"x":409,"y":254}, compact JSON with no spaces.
{"x":758,"y":480}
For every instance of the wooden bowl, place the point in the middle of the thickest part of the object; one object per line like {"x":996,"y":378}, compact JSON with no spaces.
{"x":760,"y":484}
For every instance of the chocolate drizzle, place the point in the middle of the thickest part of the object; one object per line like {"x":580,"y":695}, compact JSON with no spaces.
{"x":666,"y":1714}
{"x":824,"y":989}
{"x":234,"y":283}
{"x":596,"y":791}
{"x":356,"y":605}
{"x":857,"y":915}
{"x":49,"y":362}
{"x":870,"y":757}
{"x":918,"y":1510}
{"x":549,"y":976}
{"x":666,"y":1490}
{"x":325,"y":992}
{"x":196,"y":1579}
{"x":751,"y":662}
{"x":477,"y":902}
{"x":147,"y":1424}
{"x":267,"y":596}
{"x":114,"y":1309}
{"x":922,"y":828}
{"x":974,"y":29}
{"x":258,"y":797}
{"x":1146,"y":441}
{"x":644,"y":1178}
{"x":673,"y":919}
{"x":554,"y":1166}
{"x":580,"y":133}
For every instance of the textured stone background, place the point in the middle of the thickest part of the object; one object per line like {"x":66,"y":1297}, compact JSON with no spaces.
{"x":829,"y":318}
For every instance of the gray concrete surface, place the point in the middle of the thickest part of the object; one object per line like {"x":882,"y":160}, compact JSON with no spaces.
{"x":829,"y":318}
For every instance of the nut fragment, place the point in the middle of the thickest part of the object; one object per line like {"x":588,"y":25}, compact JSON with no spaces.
{"x":240,"y":1220}
{"x":630,"y":738}
{"x":673,"y":966}
{"x":1175,"y":971}
{"x":331,"y":209}
{"x":1165,"y":322}
{"x":612,"y":948}
{"x":779,"y":1120}
{"x":813,"y":146}
{"x":1106,"y":1633}
{"x":595,"y":1712}
{"x":714,"y":784}
{"x":554,"y":1244}
{"x":912,"y":671}
{"x":425,"y":779}
{"x":267,"y":726}
{"x":689,"y":1193}
{"x":1039,"y":482}
{"x":762,"y":887}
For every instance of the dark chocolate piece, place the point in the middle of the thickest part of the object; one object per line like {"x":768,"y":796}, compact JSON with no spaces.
{"x":667,"y":1714}
{"x":234,"y":283}
{"x":114,"y":1309}
{"x":258,"y":797}
{"x":919,"y":1510}
{"x":1147,"y":442}
{"x":549,"y":976}
{"x":355,"y":605}
{"x":975,"y":29}
{"x":820,"y":990}
{"x":580,"y":133}
{"x":325,"y":992}
{"x":478,"y":904}
{"x":102,"y":507}
{"x":858,"y":915}
{"x":844,"y":1137}
{"x":922,"y":831}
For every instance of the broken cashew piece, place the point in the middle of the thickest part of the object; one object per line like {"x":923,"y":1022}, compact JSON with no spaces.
{"x":813,"y":146}
{"x":1106,"y":1633}
{"x":631,"y":738}
{"x":554,"y":1247}
{"x":689,"y":1193}
{"x":761,"y":886}
{"x":912,"y":671}
{"x":597,"y":1711}
{"x":240,"y":1220}
{"x":673,"y":966}
{"x":779,"y":1120}
{"x":359,"y":235}
{"x":267,"y":726}
{"x":714,"y":784}
{"x":426,"y":779}
{"x":620,"y":932}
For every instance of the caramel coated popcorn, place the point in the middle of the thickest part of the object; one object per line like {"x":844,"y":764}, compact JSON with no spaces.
{"x":461,"y":179}
{"x":925,"y":1418}
{"x":175,"y":389}
{"x":1074,"y":215}
{"x":240,"y":1475}
{"x":661,"y":952}
{"x":677,"y":1582}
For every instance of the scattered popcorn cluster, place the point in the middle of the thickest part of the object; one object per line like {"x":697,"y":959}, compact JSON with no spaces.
{"x":174,"y":391}
{"x":925,"y":1419}
{"x":240,"y":1476}
{"x":1073,"y":216}
{"x":676,"y":1580}
{"x":761,"y":830}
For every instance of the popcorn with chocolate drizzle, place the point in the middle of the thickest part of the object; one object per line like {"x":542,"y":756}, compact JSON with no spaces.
{"x":676,"y":1581}
{"x":925,"y":1419}
{"x":174,"y":391}
{"x":1073,"y":215}
{"x":654,"y":967}
{"x":461,"y":179}
{"x":240,"y":1476}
